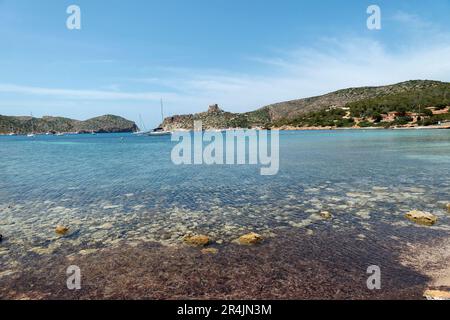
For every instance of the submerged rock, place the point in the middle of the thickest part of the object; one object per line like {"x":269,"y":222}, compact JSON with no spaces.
{"x":249,"y":239}
{"x":62,"y":230}
{"x":107,"y":225}
{"x":197,"y":240}
{"x":436,"y":295}
{"x":421,"y":217}
{"x":6,"y":273}
{"x":326,"y":215}
{"x":210,"y":251}
{"x":86,"y":252}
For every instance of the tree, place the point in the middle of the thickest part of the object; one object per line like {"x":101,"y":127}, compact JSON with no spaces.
{"x":427,"y":113}
{"x":377,"y":117}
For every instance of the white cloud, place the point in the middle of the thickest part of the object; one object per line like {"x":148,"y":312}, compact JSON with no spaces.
{"x":411,"y":20}
{"x":297,"y":73}
{"x":306,"y":72}
{"x":84,"y":94}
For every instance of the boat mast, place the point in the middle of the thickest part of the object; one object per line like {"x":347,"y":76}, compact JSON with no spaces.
{"x":162,"y":111}
{"x":142,"y":123}
{"x":32,"y":125}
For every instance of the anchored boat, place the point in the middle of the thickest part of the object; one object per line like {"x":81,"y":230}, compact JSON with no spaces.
{"x":160,"y":131}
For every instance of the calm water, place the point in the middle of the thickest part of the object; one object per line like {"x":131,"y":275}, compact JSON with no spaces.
{"x":117,"y":187}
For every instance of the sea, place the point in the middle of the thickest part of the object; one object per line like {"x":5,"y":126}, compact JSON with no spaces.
{"x":128,"y":208}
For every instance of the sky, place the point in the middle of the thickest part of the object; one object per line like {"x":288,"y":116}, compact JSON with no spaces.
{"x":240,"y":54}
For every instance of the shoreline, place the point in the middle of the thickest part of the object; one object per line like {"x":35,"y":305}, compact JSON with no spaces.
{"x":63,"y":133}
{"x":284,"y":128}
{"x":441,"y":127}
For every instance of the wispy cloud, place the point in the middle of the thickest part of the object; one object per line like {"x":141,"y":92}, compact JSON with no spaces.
{"x":294,"y":74}
{"x":331,"y":64}
{"x":83,"y":94}
{"x":411,"y":20}
{"x":99,"y":61}
{"x":304,"y":72}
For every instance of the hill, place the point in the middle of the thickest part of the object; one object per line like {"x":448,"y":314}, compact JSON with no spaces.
{"x":24,"y":125}
{"x":365,"y":106}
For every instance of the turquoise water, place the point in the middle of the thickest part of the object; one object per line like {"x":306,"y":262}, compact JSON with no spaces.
{"x":117,"y":187}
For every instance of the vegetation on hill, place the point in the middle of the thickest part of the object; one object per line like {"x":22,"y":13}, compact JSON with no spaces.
{"x":295,"y":108}
{"x":417,"y":100}
{"x":24,"y":125}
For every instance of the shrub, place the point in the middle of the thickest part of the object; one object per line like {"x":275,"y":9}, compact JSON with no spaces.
{"x":427,"y":112}
{"x":402,"y":120}
{"x":365,"y":124}
{"x":377,"y":117}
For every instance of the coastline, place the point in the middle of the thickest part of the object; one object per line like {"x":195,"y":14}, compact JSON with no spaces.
{"x":64,"y":133}
{"x":289,"y":128}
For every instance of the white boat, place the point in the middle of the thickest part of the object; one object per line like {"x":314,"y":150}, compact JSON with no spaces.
{"x":31,"y":135}
{"x":142,"y":125}
{"x":59,"y":134}
{"x":159,"y":131}
{"x":11,"y":131}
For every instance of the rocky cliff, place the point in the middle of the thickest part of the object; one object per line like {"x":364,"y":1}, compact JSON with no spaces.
{"x":216,"y":118}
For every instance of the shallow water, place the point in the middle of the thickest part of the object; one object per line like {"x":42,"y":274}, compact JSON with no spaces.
{"x":117,"y":189}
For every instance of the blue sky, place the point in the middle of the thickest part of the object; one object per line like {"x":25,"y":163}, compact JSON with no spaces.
{"x":239,"y":54}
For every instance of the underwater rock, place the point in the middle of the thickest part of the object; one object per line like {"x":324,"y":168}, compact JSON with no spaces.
{"x":197,"y":240}
{"x":210,"y":251}
{"x":420,"y":217}
{"x":249,"y":239}
{"x":42,"y":250}
{"x":86,"y":252}
{"x":62,"y":230}
{"x":436,"y":295}
{"x":326,"y":215}
{"x":110,"y":207}
{"x":6,"y":273}
{"x":107,"y":225}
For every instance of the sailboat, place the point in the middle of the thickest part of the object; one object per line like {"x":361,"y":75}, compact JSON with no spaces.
{"x":160,"y":131}
{"x":142,"y":125}
{"x":11,"y":131}
{"x":31,"y":135}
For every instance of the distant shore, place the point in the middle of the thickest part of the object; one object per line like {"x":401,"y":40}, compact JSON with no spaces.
{"x":47,"y":125}
{"x":290,"y":128}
